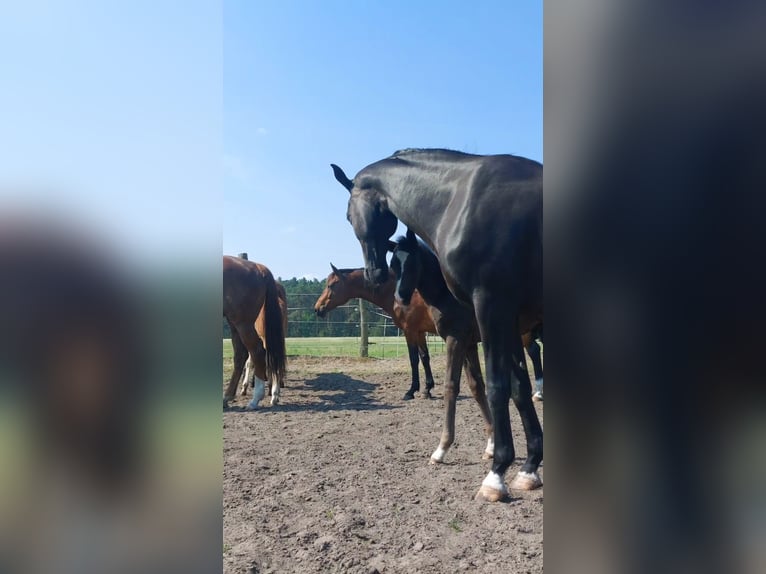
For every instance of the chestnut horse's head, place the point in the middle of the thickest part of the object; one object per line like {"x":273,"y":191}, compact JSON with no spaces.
{"x":335,"y":292}
{"x":406,"y":264}
{"x":373,"y":224}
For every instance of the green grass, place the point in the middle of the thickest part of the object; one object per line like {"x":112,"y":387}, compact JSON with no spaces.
{"x":379,"y":347}
{"x":455,"y":525}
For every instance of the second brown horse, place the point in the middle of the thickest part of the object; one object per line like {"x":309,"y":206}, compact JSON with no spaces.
{"x":248,"y":289}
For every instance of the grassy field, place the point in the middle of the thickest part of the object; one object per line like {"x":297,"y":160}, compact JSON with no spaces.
{"x":379,"y":347}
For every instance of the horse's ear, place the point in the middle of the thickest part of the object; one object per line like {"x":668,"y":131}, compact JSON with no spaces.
{"x":342,"y":178}
{"x":391,"y":245}
{"x":335,"y":270}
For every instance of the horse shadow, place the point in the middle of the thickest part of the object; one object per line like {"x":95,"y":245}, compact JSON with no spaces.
{"x":334,"y":392}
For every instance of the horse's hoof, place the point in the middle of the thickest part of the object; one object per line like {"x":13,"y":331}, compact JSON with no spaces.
{"x":438,"y":456}
{"x":489,"y":494}
{"x":526,"y":481}
{"x":408,"y":396}
{"x":487,"y":456}
{"x":274,"y":401}
{"x":427,"y":395}
{"x":492,"y":489}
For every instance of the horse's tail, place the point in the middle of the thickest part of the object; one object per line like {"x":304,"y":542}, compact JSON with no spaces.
{"x":276,"y":355}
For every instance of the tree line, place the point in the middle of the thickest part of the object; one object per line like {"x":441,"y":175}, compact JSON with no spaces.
{"x":341,"y":322}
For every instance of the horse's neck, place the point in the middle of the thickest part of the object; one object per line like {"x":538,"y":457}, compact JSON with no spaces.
{"x":416,"y":193}
{"x":382,"y":297}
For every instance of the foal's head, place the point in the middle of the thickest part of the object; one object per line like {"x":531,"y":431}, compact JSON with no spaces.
{"x":334,"y":293}
{"x":406,"y":264}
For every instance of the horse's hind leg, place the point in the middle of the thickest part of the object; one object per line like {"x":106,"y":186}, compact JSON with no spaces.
{"x":252,"y":367}
{"x":275,"y":391}
{"x":240,"y":357}
{"x":534,"y":353}
{"x":425,"y":358}
{"x":259,"y":358}
{"x":521,"y":393}
{"x":258,"y":387}
{"x":504,"y":356}
{"x":472,"y":369}
{"x":455,"y":358}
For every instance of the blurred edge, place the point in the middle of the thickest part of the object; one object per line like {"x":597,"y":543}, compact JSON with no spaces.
{"x":110,"y":328}
{"x":654,"y":146}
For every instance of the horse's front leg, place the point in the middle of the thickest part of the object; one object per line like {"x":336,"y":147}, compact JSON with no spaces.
{"x":455,"y":358}
{"x":412,"y":351}
{"x":425,"y":358}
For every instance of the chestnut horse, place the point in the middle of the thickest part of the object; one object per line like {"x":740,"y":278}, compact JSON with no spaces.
{"x":416,"y":267}
{"x":248,"y":288}
{"x":415,"y":320}
{"x":240,"y":352}
{"x":483,"y":218}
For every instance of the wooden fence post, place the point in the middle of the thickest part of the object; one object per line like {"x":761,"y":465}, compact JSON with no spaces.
{"x":363,"y":344}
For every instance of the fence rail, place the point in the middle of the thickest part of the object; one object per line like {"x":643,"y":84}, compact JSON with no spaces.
{"x":339,"y":333}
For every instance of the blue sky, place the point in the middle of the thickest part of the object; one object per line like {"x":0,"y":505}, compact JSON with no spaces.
{"x":307,"y":84}
{"x":111,"y":116}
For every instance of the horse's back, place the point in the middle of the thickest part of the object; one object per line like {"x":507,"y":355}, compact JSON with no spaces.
{"x":244,"y":287}
{"x":495,"y":222}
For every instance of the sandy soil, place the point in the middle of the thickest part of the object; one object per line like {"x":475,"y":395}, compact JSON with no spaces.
{"x":336,"y":479}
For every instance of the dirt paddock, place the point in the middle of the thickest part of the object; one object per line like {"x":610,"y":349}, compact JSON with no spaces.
{"x":337,"y":479}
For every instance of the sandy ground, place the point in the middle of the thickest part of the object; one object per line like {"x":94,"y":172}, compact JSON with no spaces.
{"x":336,"y":479}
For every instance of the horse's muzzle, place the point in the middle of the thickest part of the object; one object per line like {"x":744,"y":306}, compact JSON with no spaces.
{"x":320,"y":312}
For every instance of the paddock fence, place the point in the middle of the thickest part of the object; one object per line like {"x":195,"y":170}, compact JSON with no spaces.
{"x":355,"y":329}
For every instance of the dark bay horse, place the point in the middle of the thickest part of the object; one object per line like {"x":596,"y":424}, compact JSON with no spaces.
{"x":249,"y":287}
{"x":414,"y":320}
{"x":417,"y":268}
{"x":483,"y":217}
{"x":240,"y":351}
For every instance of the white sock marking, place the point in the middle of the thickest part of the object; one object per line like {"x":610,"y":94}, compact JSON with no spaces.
{"x":490,"y":446}
{"x":275,"y":393}
{"x":532,"y":475}
{"x":495,"y":481}
{"x":259,"y":390}
{"x":438,"y":454}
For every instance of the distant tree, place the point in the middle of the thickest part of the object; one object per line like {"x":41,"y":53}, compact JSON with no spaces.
{"x":342,"y":322}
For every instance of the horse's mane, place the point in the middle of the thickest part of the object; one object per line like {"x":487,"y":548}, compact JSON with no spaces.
{"x":430,"y":151}
{"x":350,"y":270}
